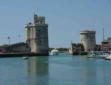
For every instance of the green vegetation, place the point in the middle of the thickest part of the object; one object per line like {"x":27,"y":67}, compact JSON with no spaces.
{"x":4,"y":45}
{"x":59,"y":49}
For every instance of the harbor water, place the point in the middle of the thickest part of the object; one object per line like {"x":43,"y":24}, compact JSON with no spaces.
{"x":62,"y":69}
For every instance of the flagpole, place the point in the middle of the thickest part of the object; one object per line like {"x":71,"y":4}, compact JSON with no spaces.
{"x":37,"y":10}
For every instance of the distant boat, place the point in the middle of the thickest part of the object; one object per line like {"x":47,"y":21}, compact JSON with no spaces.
{"x":91,"y":55}
{"x":108,"y":57}
{"x":25,"y":58}
{"x":54,"y":52}
{"x":104,"y":55}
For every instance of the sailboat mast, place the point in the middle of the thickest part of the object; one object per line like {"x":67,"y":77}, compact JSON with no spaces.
{"x":103,"y":34}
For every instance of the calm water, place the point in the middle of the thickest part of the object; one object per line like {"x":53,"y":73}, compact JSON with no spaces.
{"x":55,"y":70}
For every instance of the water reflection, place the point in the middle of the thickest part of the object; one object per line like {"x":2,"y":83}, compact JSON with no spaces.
{"x":88,"y":71}
{"x":93,"y":72}
{"x":67,"y":71}
{"x":37,"y":71}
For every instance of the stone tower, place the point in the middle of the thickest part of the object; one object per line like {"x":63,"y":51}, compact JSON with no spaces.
{"x":35,"y":18}
{"x":87,"y":38}
{"x":37,"y":35}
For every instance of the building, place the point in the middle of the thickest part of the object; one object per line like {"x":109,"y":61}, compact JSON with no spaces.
{"x":109,"y":39}
{"x":88,"y":40}
{"x":76,"y":49}
{"x":106,"y":45}
{"x":98,"y":47}
{"x":37,"y":35}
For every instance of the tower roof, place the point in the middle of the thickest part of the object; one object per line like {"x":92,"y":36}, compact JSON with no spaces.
{"x":88,"y":31}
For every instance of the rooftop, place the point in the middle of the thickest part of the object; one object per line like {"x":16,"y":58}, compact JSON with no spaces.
{"x":88,"y":31}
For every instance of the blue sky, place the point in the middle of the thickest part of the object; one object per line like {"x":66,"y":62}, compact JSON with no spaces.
{"x":66,"y":18}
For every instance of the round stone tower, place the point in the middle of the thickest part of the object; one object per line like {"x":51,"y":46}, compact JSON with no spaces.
{"x":37,"y":35}
{"x":88,"y":40}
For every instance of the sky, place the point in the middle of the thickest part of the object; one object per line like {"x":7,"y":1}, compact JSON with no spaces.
{"x":66,"y":18}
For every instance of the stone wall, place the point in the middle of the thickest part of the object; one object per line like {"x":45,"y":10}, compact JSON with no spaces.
{"x":15,"y":48}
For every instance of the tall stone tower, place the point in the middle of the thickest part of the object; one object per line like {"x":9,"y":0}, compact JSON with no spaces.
{"x":87,"y":38}
{"x":37,"y":35}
